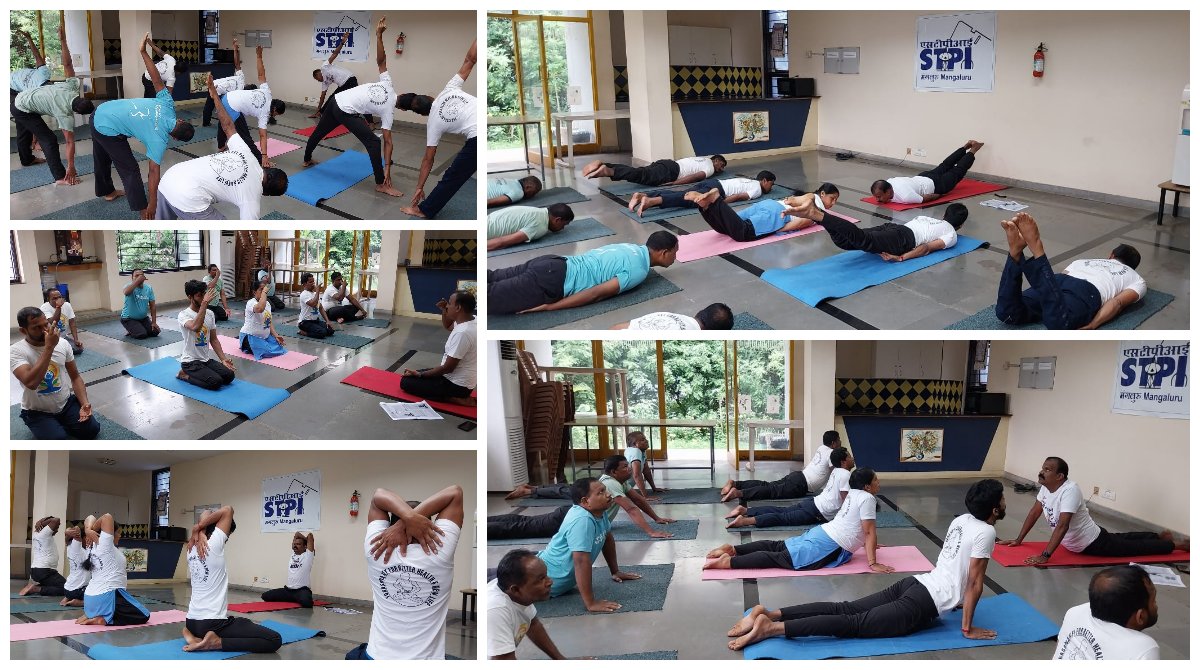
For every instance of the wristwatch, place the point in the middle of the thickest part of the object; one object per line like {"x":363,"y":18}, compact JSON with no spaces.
{"x":1045,"y":554}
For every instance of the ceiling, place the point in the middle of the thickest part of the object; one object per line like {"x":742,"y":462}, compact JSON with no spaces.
{"x":134,"y":461}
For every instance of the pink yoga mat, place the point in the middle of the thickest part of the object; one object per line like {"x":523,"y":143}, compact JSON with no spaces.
{"x":1014,"y":557}
{"x":243,"y":608}
{"x":289,"y":361}
{"x":904,"y":559}
{"x":709,"y":243}
{"x":36,"y":631}
{"x":965,"y":189}
{"x":279,"y":147}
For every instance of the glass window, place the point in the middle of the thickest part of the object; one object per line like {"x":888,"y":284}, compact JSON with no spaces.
{"x":694,"y":387}
{"x":762,"y":383}
{"x":153,"y":250}
{"x":14,"y":266}
{"x":27,"y":20}
{"x":161,"y":498}
{"x":775,"y":48}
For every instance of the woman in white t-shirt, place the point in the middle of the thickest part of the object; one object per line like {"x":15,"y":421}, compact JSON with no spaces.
{"x":297,"y":589}
{"x":521,"y":580}
{"x":258,"y":336}
{"x":79,"y":558}
{"x":826,"y":546}
{"x":911,"y":603}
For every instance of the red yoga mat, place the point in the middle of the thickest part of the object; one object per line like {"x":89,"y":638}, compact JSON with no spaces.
{"x":388,"y":384}
{"x":1014,"y":557}
{"x":336,"y":132}
{"x":243,"y":608}
{"x":965,"y":189}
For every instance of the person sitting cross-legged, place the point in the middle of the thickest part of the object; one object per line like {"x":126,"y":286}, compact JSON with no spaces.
{"x":314,"y":321}
{"x":298,"y":588}
{"x":454,"y":379}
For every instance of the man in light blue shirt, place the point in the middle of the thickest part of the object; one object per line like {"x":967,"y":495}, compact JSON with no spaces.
{"x":25,"y":78}
{"x":504,"y":192}
{"x":138,"y":314}
{"x":549,"y":283}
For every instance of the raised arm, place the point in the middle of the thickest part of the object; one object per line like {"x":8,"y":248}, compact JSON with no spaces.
{"x":41,"y":523}
{"x":154,"y":46}
{"x":237,"y":56}
{"x":380,"y":52}
{"x":345,"y":38}
{"x":312,"y":543}
{"x":1109,"y":310}
{"x":446,"y":504}
{"x":262,"y":69}
{"x":68,"y":66}
{"x":155,"y":77}
{"x":468,"y":63}
{"x":38,"y":57}
{"x":410,"y":527}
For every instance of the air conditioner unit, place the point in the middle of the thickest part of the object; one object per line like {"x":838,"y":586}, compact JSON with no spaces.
{"x":506,"y":464}
{"x":226,"y":262}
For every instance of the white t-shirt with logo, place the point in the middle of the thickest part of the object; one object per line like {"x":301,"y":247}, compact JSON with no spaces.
{"x":377,"y":98}
{"x":332,"y":75}
{"x":53,"y":392}
{"x":197,"y":344}
{"x":816,"y":473}
{"x":453,"y":111}
{"x":927,"y":229}
{"x":257,"y":324}
{"x":228,"y":84}
{"x":846,"y":527}
{"x":411,"y":595}
{"x":300,"y":569}
{"x":740,"y":185}
{"x":79,"y":575}
{"x":64,"y":317}
{"x":1109,"y":276}
{"x":508,"y":622}
{"x":461,"y":345}
{"x":232,"y":176}
{"x":328,"y":298}
{"x":255,"y":103}
{"x":829,"y":500}
{"x":1068,"y":498}
{"x":309,"y":313}
{"x":911,"y":190}
{"x":45,"y":555}
{"x":210,"y":580}
{"x":967,"y":538}
{"x":108,"y":567}
{"x":1086,"y":638}
{"x":696,"y":164}
{"x":166,"y":70}
{"x":664,"y":321}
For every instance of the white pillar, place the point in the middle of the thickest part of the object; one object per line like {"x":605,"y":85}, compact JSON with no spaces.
{"x":50,"y":471}
{"x":134,"y":26}
{"x":649,"y":84}
{"x":820,"y":367}
{"x":19,"y":557}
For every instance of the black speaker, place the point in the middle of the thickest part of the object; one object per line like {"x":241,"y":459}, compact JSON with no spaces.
{"x":986,"y":403}
{"x":798,"y":87}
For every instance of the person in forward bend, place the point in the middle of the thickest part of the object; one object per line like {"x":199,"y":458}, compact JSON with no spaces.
{"x":44,"y":578}
{"x":61,"y":316}
{"x":258,"y":335}
{"x":166,"y":67}
{"x":208,"y":626}
{"x":931,"y":184}
{"x":236,"y":82}
{"x":1122,"y":602}
{"x":763,"y":218}
{"x":511,"y":226}
{"x":203,"y":362}
{"x":453,"y":380}
{"x":335,"y":294}
{"x":521,"y":580}
{"x":910,"y":604}
{"x":79,"y":558}
{"x":797,"y":484}
{"x":298,"y":588}
{"x":662,"y":172}
{"x":505,"y":192}
{"x":410,"y":564}
{"x":259,"y":103}
{"x":716,"y":316}
{"x":732,"y":190}
{"x":267,"y":273}
{"x":811,"y":510}
{"x":106,"y":602}
{"x":217,"y":285}
{"x":314,"y":321}
{"x":347,"y":109}
{"x":50,"y":409}
{"x":339,"y":78}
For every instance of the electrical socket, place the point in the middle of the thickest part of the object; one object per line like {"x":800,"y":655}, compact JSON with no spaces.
{"x":908,"y":151}
{"x":256,"y":580}
{"x":266,"y":580}
{"x":919,"y":153}
{"x":1108,"y":495}
{"x":1095,"y":490}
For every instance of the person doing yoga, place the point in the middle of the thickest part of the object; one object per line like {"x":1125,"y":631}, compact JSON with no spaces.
{"x":763,"y":218}
{"x":106,"y":602}
{"x":44,"y":578}
{"x":798,"y":484}
{"x":79,"y":558}
{"x":521,"y":580}
{"x":734,"y":189}
{"x":663,"y":172}
{"x":931,"y":184}
{"x":811,"y":510}
{"x":203,"y":362}
{"x":297,"y":589}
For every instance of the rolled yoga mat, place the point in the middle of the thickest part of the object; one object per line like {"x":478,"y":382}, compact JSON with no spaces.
{"x":964,"y":189}
{"x":550,"y":196}
{"x":576,"y":231}
{"x":655,"y":286}
{"x":263,"y":606}
{"x":329,"y":177}
{"x":1014,"y":557}
{"x":109,"y":429}
{"x":292,"y":360}
{"x":884,"y":518}
{"x":34,"y":176}
{"x":238,"y":397}
{"x":338,"y":339}
{"x":623,"y":530}
{"x":20,"y":632}
{"x":903,"y":559}
{"x":116,"y":331}
{"x":641,"y":595}
{"x":1135,"y":315}
{"x":172,"y":650}
{"x":388,"y":384}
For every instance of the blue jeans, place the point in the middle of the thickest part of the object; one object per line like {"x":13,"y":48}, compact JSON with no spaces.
{"x":1060,"y":302}
{"x":62,"y":426}
{"x":803,"y":513}
{"x":462,"y":169}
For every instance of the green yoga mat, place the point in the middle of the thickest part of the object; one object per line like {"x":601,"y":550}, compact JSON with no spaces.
{"x":109,"y":430}
{"x":370,"y":323}
{"x":624,"y":188}
{"x":884,"y":518}
{"x":640,"y":595}
{"x":278,"y":216}
{"x":94,"y":209}
{"x":747,"y":321}
{"x":462,"y":205}
{"x":81,"y":133}
{"x":47,"y":606}
{"x":1153,"y":303}
{"x":338,"y":339}
{"x":655,"y":286}
{"x":39,"y":175}
{"x":624,"y":530}
{"x":90,"y":360}
{"x":551,"y":196}
{"x":116,"y":331}
{"x":576,"y":231}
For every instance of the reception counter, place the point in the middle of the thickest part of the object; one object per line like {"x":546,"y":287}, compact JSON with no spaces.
{"x":971,"y":444}
{"x":159,"y":558}
{"x":706,"y":127}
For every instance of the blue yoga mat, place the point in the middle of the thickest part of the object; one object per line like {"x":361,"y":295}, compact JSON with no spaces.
{"x":39,"y":175}
{"x":1136,"y":315}
{"x":240,"y":397}
{"x":90,"y":360}
{"x":462,"y":205}
{"x":1014,"y":620}
{"x":624,"y":531}
{"x":172,"y":650}
{"x":884,"y":518}
{"x":329,"y":178}
{"x":109,"y":430}
{"x":851,"y":271}
{"x":576,"y":231}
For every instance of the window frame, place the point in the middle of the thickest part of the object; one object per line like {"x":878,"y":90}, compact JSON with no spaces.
{"x":200,"y":265}
{"x":16,"y":275}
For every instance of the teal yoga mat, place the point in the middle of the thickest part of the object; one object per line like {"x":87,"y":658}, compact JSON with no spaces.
{"x":462,"y":206}
{"x":278,"y":216}
{"x":202,"y":134}
{"x":50,"y":605}
{"x":330,"y":177}
{"x":94,"y":209}
{"x":81,"y":133}
{"x":109,"y":429}
{"x":371,"y":323}
{"x":641,"y":595}
{"x":116,"y":331}
{"x":884,"y":518}
{"x":655,"y":286}
{"x":747,"y":321}
{"x":338,"y":339}
{"x":90,"y":360}
{"x":551,"y":196}
{"x":1136,"y":315}
{"x":172,"y":650}
{"x":39,"y":175}
{"x":239,"y":397}
{"x":625,"y":531}
{"x":576,"y":231}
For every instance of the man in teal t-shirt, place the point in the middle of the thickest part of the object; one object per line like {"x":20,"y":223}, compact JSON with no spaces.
{"x":150,"y":121}
{"x":503,"y":192}
{"x":511,"y":226}
{"x":138,"y":314}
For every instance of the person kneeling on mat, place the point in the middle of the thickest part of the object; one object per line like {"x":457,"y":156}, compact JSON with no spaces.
{"x":1122,"y":602}
{"x":267,"y":273}
{"x":409,"y":619}
{"x":812,"y":510}
{"x":798,"y":484}
{"x":716,"y":316}
{"x":297,"y":589}
{"x":79,"y":558}
{"x":511,"y":226}
{"x":61,"y":315}
{"x":203,"y":362}
{"x":208,"y":626}
{"x":50,"y":409}
{"x":454,"y":379}
{"x":314,"y":321}
{"x":215,"y":283}
{"x":826,"y":546}
{"x":139,"y":313}
{"x":911,"y":603}
{"x":258,"y":336}
{"x":106,"y":602}
{"x":44,"y":578}
{"x":521,"y":580}
{"x":504,"y":192}
{"x":1066,"y":511}
{"x":734,"y":189}
{"x":763,"y":218}
{"x":337,"y":292}
{"x":931,"y":184}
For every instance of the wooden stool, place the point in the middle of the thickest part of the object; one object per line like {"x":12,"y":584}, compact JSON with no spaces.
{"x":468,"y":593}
{"x":1162,"y":198}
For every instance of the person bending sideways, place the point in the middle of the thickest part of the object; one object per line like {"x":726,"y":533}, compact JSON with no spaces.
{"x":763,"y":218}
{"x":240,"y":103}
{"x":511,"y":226}
{"x":663,"y":172}
{"x":716,"y":316}
{"x":549,"y":283}
{"x":616,"y":478}
{"x":208,"y":626}
{"x":1061,"y":501}
{"x":453,"y":379}
{"x":410,"y":564}
{"x":297,"y":589}
{"x":812,"y":510}
{"x":224,"y":85}
{"x":61,"y":316}
{"x":1088,"y":294}
{"x":911,"y":603}
{"x":826,"y":546}
{"x":258,"y":335}
{"x":521,"y":581}
{"x":139,"y":313}
{"x":636,"y":446}
{"x":106,"y":602}
{"x":314,"y":321}
{"x":583,"y":536}
{"x":335,"y":294}
{"x":734,"y":189}
{"x":44,"y":578}
{"x":167,"y":68}
{"x":26,"y":78}
{"x":339,"y":78}
{"x":931,"y":184}
{"x":80,"y":560}
{"x":50,"y":409}
{"x":505,"y":192}
{"x":1122,"y":602}
{"x":203,"y":362}
{"x":216,"y":284}
{"x":792,"y":485}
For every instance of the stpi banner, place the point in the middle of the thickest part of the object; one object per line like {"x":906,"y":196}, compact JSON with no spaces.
{"x":1152,"y":379}
{"x":956,"y":53}
{"x":291,"y":502}
{"x":329,"y":28}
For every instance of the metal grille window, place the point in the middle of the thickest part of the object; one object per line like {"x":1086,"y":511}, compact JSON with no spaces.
{"x":14,"y":266}
{"x":161,"y":498}
{"x":152,"y":250}
{"x":775,"y":48}
{"x":981,"y":359}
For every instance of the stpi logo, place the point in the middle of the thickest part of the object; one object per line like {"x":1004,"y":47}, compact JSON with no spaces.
{"x":1153,"y":366}
{"x":953,"y":52}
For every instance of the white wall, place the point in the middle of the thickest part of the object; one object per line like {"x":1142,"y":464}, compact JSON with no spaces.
{"x":1103,"y":119}
{"x":745,"y":26}
{"x":29,"y":292}
{"x":135,"y":487}
{"x":1144,"y":460}
{"x":900,"y":359}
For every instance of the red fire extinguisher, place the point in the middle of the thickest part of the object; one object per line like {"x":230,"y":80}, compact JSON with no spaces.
{"x":400,"y":44}
{"x":1039,"y":60}
{"x":354,"y":505}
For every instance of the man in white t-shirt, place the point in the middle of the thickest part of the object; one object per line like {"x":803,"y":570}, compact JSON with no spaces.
{"x":61,"y":316}
{"x":893,"y":242}
{"x":931,"y":184}
{"x":191,"y":189}
{"x":330,"y":75}
{"x":258,"y":335}
{"x":454,"y":379}
{"x":716,"y":316}
{"x":452,"y":111}
{"x":203,"y":362}
{"x":167,"y":68}
{"x":732,"y":190}
{"x":236,"y":82}
{"x":662,"y":172}
{"x":798,"y":484}
{"x":811,"y":510}
{"x":44,"y":578}
{"x":208,"y":626}
{"x":521,"y":580}
{"x":106,"y":602}
{"x":79,"y":560}
{"x":298,"y":588}
{"x":1121,"y":604}
{"x":348,"y":108}
{"x":314,"y":321}
{"x":51,"y":408}
{"x":909,"y":605}
{"x":335,"y":294}
{"x":636,"y":446}
{"x":260,"y":104}
{"x":505,"y":192}
{"x":1089,"y":294}
{"x":410,"y":565}
{"x":511,"y":226}
{"x":1065,"y":509}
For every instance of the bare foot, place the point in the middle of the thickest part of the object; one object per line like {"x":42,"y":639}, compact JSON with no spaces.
{"x":413,"y":211}
{"x":1029,"y":232}
{"x":309,"y":163}
{"x":1016,"y":245}
{"x":976,"y":146}
{"x":702,"y":200}
{"x":189,"y":639}
{"x":65,"y":182}
{"x":38,"y":161}
{"x":182,"y":376}
{"x":465,"y":402}
{"x":591,"y":167}
{"x":520,"y":492}
{"x":1184,"y":545}
{"x":747,"y":622}
{"x":388,"y":190}
{"x":736,"y":512}
{"x":723,"y":550}
{"x":94,"y":621}
{"x":210,"y":643}
{"x":731,"y":494}
{"x":114,"y":195}
{"x":646,"y":203}
{"x":633,"y":200}
{"x":31,"y":587}
{"x":728,"y":485}
{"x":718,"y":563}
{"x":762,"y":628}
{"x":72,"y":603}
{"x":741,"y":522}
